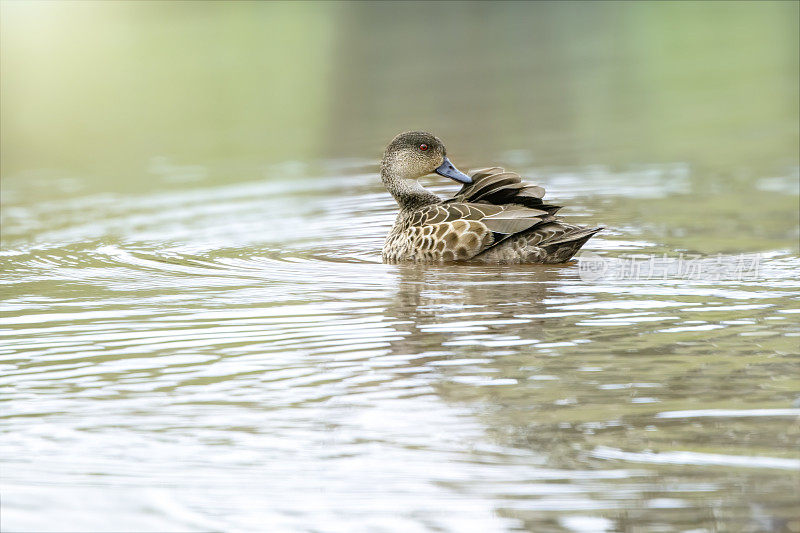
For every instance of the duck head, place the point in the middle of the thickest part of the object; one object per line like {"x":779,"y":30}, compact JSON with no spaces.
{"x":414,"y":154}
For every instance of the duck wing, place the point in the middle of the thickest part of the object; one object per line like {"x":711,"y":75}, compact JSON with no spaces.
{"x":454,"y":230}
{"x":498,"y":186}
{"x":550,"y":242}
{"x":545,"y":240}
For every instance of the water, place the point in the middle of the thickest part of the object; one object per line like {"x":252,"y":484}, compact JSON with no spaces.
{"x":202,"y":337}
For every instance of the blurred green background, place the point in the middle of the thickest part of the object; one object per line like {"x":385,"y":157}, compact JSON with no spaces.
{"x":100,"y":89}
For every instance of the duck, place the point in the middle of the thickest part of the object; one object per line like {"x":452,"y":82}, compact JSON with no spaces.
{"x":495,"y":217}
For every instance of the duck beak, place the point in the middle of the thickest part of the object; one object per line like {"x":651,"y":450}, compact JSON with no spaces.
{"x":447,"y":170}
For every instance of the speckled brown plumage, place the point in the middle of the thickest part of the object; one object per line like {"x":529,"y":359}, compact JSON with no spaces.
{"x":498,"y":218}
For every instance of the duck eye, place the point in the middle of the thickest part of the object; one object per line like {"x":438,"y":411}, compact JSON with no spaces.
{"x":423,"y":147}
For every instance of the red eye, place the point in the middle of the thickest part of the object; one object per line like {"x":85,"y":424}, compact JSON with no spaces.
{"x":423,"y":147}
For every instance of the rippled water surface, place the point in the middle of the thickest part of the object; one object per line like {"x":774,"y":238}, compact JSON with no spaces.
{"x":213,"y":344}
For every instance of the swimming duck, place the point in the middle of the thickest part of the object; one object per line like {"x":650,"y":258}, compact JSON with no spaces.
{"x":495,"y":217}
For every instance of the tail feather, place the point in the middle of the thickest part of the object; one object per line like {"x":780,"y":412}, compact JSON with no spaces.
{"x":563,"y":249}
{"x":580,"y":234}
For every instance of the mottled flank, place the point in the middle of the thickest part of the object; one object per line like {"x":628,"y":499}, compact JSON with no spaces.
{"x":498,"y":218}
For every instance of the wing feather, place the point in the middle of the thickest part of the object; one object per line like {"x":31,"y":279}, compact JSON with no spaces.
{"x":497,"y":186}
{"x":509,"y":226}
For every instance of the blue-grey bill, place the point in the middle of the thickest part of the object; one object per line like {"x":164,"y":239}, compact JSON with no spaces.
{"x":447,"y":170}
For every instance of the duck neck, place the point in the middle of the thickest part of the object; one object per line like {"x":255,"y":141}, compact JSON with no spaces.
{"x":408,"y":192}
